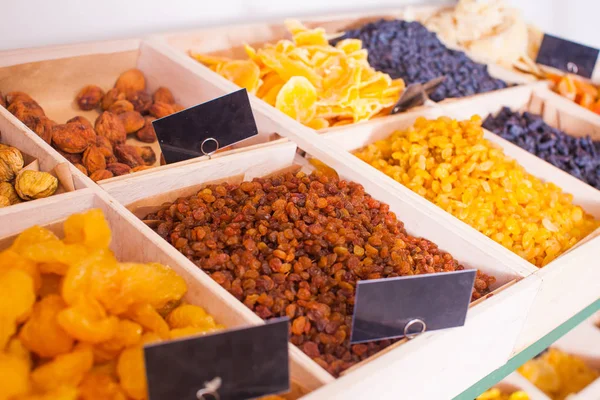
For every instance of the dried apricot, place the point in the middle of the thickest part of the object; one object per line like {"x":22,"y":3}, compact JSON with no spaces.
{"x":149,"y":318}
{"x":64,"y":370}
{"x":89,"y":229}
{"x":87,"y":321}
{"x":100,"y":386}
{"x":14,"y":376}
{"x":132,"y":372}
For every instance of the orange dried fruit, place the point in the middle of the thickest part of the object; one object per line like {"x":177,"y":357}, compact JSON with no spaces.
{"x":17,"y":297}
{"x":180,"y":333}
{"x":188,"y":315}
{"x":245,"y":74}
{"x":50,"y":284}
{"x":128,"y":333}
{"x":60,"y":393}
{"x":87,"y":321}
{"x":96,"y":386}
{"x":11,"y":259}
{"x":14,"y":376}
{"x":89,"y":229}
{"x":298,"y":99}
{"x":132,"y":372}
{"x":41,"y":333}
{"x":64,"y":370}
{"x":149,"y":318}
{"x":132,"y":80}
{"x":30,"y":236}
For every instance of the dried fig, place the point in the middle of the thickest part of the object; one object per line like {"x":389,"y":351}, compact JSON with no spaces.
{"x":101,"y":174}
{"x":127,"y":154}
{"x":177,"y":108}
{"x":110,"y":126}
{"x":32,"y":185}
{"x":104,"y":146}
{"x":118,"y":169}
{"x":159,"y":110}
{"x":11,"y":162}
{"x":73,"y":158}
{"x":140,"y":168}
{"x":73,"y":137}
{"x":131,"y":81}
{"x":81,"y":120}
{"x":4,"y":202}
{"x":111,"y":97}
{"x":2,"y":101}
{"x":132,"y":121}
{"x":120,"y":106}
{"x":13,"y":97}
{"x":42,"y":126}
{"x":163,"y":95}
{"x":89,"y":97}
{"x":147,"y":154}
{"x":82,"y":168}
{"x":93,"y":159}
{"x":147,"y":134}
{"x":141,"y":101}
{"x":8,"y":190}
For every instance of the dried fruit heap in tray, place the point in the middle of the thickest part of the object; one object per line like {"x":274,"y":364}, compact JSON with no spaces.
{"x":450,"y":164}
{"x":73,"y":320}
{"x":296,"y":245}
{"x":309,"y":80}
{"x":100,"y":150}
{"x":579,"y":156}
{"x":576,"y":89}
{"x":409,"y":51}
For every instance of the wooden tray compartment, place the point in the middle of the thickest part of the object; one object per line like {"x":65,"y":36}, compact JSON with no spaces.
{"x":404,"y":368}
{"x":53,"y":76}
{"x":569,"y":283}
{"x":228,"y":41}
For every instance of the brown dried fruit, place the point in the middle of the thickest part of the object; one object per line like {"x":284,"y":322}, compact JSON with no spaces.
{"x":101,"y":174}
{"x":75,"y":158}
{"x":43,"y":127}
{"x":141,"y":101}
{"x":111,"y":159}
{"x":4,"y":202}
{"x":111,"y":97}
{"x":177,"y":108}
{"x":147,"y":133}
{"x":89,"y":97}
{"x":104,"y":146}
{"x":120,"y":106}
{"x":11,"y":162}
{"x":147,"y":154}
{"x":131,"y":81}
{"x":159,"y":110}
{"x":2,"y":101}
{"x":163,"y":95}
{"x":25,"y":110}
{"x":73,"y":137}
{"x":31,"y":185}
{"x":141,"y":168}
{"x":118,"y":169}
{"x":81,"y":120}
{"x":132,"y":121}
{"x":127,"y":154}
{"x":110,"y":126}
{"x":82,"y":168}
{"x":8,"y":190}
{"x":13,"y":97}
{"x":93,"y":159}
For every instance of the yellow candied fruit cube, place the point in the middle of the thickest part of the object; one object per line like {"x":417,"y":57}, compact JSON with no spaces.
{"x":450,"y":163}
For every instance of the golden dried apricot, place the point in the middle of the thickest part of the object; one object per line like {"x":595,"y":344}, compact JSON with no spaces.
{"x":132,"y":372}
{"x":112,"y":96}
{"x":132,"y":121}
{"x":14,"y":376}
{"x":87,"y":321}
{"x":89,"y":97}
{"x":131,"y":81}
{"x":110,"y":126}
{"x":99,"y":386}
{"x":64,"y":370}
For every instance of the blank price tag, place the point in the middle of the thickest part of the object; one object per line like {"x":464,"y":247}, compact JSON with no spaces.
{"x":567,"y":56}
{"x":238,"y":364}
{"x":407,"y":305}
{"x":205,"y":128}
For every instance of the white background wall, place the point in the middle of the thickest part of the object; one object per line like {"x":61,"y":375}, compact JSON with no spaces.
{"x":34,"y":23}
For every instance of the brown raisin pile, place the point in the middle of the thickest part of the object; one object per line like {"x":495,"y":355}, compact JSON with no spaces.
{"x":295,"y":245}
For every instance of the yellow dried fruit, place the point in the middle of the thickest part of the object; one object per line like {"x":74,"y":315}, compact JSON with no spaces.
{"x":14,"y":376}
{"x":11,"y":162}
{"x":450,"y":163}
{"x":60,"y":393}
{"x":9,"y":259}
{"x":89,"y":229}
{"x":16,"y":302}
{"x":187,"y":315}
{"x":298,"y":99}
{"x":4,"y":201}
{"x":100,"y":386}
{"x":8,"y":190}
{"x":87,"y":321}
{"x":132,"y":372}
{"x":64,"y":370}
{"x":128,"y":334}
{"x":41,"y":333}
{"x":149,"y":318}
{"x":31,"y":185}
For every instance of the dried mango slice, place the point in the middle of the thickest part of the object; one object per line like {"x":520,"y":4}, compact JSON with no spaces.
{"x":318,"y":123}
{"x":209,"y":60}
{"x":298,"y":99}
{"x":349,"y":46}
{"x":245,"y":74}
{"x":42,"y":334}
{"x":311,"y":37}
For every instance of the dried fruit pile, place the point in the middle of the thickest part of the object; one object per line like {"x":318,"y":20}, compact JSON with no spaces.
{"x":16,"y":184}
{"x":73,"y":320}
{"x":450,"y":164}
{"x":309,"y":80}
{"x":558,"y":374}
{"x":409,"y":51}
{"x":497,"y":394}
{"x":579,"y":156}
{"x":295,"y":245}
{"x":575,"y":89}
{"x":99,"y":150}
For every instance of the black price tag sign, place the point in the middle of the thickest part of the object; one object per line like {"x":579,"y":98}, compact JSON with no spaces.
{"x":567,"y":56}
{"x":238,"y":364}
{"x":205,"y":128}
{"x":408,"y":305}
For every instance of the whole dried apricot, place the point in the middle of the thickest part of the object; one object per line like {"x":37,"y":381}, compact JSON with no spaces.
{"x":132,"y":372}
{"x":14,"y":376}
{"x":100,"y":386}
{"x":89,"y":97}
{"x":64,"y":370}
{"x":131,"y":81}
{"x":87,"y":321}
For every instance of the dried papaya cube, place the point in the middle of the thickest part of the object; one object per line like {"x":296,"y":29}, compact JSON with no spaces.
{"x":64,"y":370}
{"x":89,"y":229}
{"x":42,"y":334}
{"x":87,"y":321}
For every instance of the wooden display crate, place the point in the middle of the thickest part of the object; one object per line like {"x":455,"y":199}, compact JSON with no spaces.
{"x":570,"y":282}
{"x":54,"y":75}
{"x":229,"y":41}
{"x":452,"y":355}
